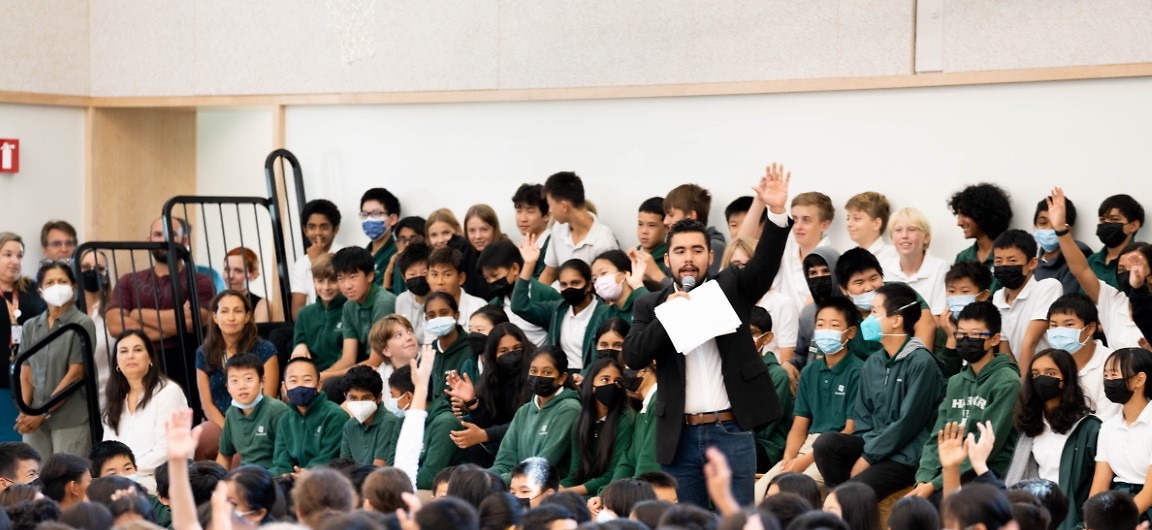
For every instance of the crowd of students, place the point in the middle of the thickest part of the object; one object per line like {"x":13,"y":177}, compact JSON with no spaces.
{"x":508,"y":377}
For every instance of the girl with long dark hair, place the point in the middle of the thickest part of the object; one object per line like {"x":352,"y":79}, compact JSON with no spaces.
{"x":602,"y":438}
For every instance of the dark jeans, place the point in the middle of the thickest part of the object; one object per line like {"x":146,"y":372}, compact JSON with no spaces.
{"x":835,"y":455}
{"x":688,"y":465}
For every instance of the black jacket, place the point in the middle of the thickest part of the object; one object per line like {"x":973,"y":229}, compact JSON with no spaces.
{"x":746,"y":377}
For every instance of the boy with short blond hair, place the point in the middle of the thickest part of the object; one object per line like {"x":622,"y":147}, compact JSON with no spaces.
{"x":867,"y":219}
{"x":813,"y":212}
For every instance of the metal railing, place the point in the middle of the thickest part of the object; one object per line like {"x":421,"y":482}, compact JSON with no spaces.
{"x":292,"y":195}
{"x":87,"y":384}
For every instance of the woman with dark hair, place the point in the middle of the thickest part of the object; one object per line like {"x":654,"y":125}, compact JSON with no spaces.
{"x":1074,"y":326}
{"x":976,"y":506}
{"x":21,"y":302}
{"x":615,"y":284}
{"x":97,"y":291}
{"x":855,"y":503}
{"x":602,"y":437}
{"x":140,"y":398}
{"x":1057,"y":430}
{"x":1123,"y":455}
{"x":571,"y":320}
{"x":231,"y":331}
{"x":472,"y":484}
{"x":256,"y":496}
{"x":64,"y":428}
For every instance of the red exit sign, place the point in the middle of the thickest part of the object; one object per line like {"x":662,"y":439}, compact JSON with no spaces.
{"x":9,"y":155}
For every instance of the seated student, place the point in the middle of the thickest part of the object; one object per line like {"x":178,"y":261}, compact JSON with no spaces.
{"x":409,"y":230}
{"x":366,"y":303}
{"x":1074,"y":326}
{"x":1123,"y":454}
{"x":317,"y":333}
{"x":482,"y":228}
{"x":309,"y":434}
{"x":861,"y":276}
{"x":533,"y":480}
{"x":785,"y":325}
{"x":321,"y":220}
{"x":570,"y":321}
{"x":866,"y":222}
{"x":394,"y":339}
{"x":413,"y":265}
{"x":447,"y":275}
{"x":651,"y":235}
{"x":826,"y":394}
{"x":911,"y":235}
{"x":1112,"y":302}
{"x":820,"y":277}
{"x":812,"y":213}
{"x":986,"y":390}
{"x":641,"y":388}
{"x":370,"y":434}
{"x":251,"y":423}
{"x":241,"y":269}
{"x":19,"y":464}
{"x":1111,"y":509}
{"x":771,"y":439}
{"x":689,"y":201}
{"x":1023,"y":301}
{"x":1058,"y":433}
{"x":1052,"y":262}
{"x":452,"y":355}
{"x":965,"y":282}
{"x":899,"y":389}
{"x":602,"y":436}
{"x":379,"y":211}
{"x":110,"y":458}
{"x":202,"y":476}
{"x":1121,"y":217}
{"x":616,"y":285}
{"x":555,"y":408}
{"x":65,"y":479}
{"x":532,"y":217}
{"x":734,"y":215}
{"x":576,"y":234}
{"x":501,"y":264}
{"x":983,"y":212}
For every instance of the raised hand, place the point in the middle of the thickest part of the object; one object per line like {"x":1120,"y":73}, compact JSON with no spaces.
{"x":529,"y":251}
{"x":1057,"y":210}
{"x":182,"y":437}
{"x":978,"y":451}
{"x":460,"y":387}
{"x":772,"y":189}
{"x":950,"y":445}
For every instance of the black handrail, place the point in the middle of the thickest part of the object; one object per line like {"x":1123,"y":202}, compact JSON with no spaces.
{"x":274,"y":194}
{"x":95,"y":427}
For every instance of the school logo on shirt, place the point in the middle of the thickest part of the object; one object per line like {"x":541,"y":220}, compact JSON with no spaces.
{"x":319,"y":430}
{"x":260,"y":431}
{"x":543,"y":430}
{"x":840,"y":391}
{"x":970,"y":401}
{"x":339,"y":325}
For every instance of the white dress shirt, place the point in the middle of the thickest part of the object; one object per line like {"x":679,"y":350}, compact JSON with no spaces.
{"x":145,"y":431}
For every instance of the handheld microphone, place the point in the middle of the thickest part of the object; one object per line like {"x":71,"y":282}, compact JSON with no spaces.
{"x":688,"y":282}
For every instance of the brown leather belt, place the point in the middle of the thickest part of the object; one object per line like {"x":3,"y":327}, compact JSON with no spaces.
{"x":704,"y":418}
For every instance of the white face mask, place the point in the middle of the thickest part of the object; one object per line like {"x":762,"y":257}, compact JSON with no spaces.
{"x":57,"y":295}
{"x":361,"y":410}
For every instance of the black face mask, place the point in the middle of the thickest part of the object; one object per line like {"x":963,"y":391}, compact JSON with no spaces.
{"x":418,"y":285}
{"x":971,"y":349}
{"x":631,"y":380}
{"x":1111,"y":234}
{"x":500,"y":288}
{"x":1045,"y":387}
{"x":542,"y":386}
{"x":820,"y":287}
{"x":509,"y":363}
{"x":525,"y":503}
{"x":477,"y":341}
{"x":574,"y":295}
{"x":609,"y":395}
{"x":92,"y":280}
{"x":1116,"y":390}
{"x":1010,"y":276}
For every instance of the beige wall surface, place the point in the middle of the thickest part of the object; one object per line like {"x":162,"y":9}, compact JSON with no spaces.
{"x":44,"y":46}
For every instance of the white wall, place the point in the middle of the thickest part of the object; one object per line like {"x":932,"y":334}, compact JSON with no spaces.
{"x":915,"y":145}
{"x":50,"y":184}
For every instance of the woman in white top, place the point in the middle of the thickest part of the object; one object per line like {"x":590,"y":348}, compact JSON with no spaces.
{"x":1124,"y":454}
{"x":97,"y":289}
{"x":911,"y":235}
{"x":1074,"y":326}
{"x":140,"y":399}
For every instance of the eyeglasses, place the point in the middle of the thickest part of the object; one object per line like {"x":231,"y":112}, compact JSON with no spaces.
{"x":375,"y":215}
{"x":961,"y":335}
{"x":62,"y":262}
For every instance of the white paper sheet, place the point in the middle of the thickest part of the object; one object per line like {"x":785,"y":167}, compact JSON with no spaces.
{"x":704,"y":315}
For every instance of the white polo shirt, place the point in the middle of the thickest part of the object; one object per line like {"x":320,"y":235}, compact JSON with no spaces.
{"x":785,"y":320}
{"x":885,"y":253}
{"x":928,"y":281}
{"x":1125,"y":447}
{"x":1091,"y":379}
{"x":1116,"y":318}
{"x":301,"y":277}
{"x":468,"y":305}
{"x":408,"y":307}
{"x":1047,"y":449}
{"x":562,"y":248}
{"x":572,"y":334}
{"x":1031,"y":304}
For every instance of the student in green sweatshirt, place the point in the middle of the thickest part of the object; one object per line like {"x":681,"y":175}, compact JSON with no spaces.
{"x":986,"y":390}
{"x":602,"y":438}
{"x":251,"y":423}
{"x":541,"y":427}
{"x":370,"y":434}
{"x":501,"y":264}
{"x":770,"y":440}
{"x":319,"y":332}
{"x":641,"y":386}
{"x":309,"y":434}
{"x":900,"y":387}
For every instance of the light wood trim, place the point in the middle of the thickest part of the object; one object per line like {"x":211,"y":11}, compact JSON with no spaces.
{"x":50,"y":100}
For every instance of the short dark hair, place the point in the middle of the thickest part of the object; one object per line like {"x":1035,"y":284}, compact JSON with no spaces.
{"x":414,"y":254}
{"x":103,"y":451}
{"x":245,"y":361}
{"x":987,"y":205}
{"x":760,"y":318}
{"x":57,"y":265}
{"x":574,"y":502}
{"x":1110,"y":509}
{"x":985,"y":312}
{"x":622,"y":494}
{"x":900,"y":299}
{"x":786,"y":507}
{"x":304,"y":360}
{"x":499,"y":511}
{"x":383,"y":488}
{"x":650,"y":512}
{"x":1069,"y":211}
{"x":799,"y":484}
{"x":56,"y":224}
{"x":530,"y":195}
{"x":842,"y":304}
{"x":855,"y":261}
{"x":977,"y":504}
{"x":973,"y":270}
{"x":617,"y":258}
{"x":688,"y":516}
{"x":383,"y":196}
{"x":448,"y":512}
{"x":658,"y":479}
{"x":401,"y":379}
{"x":59,"y":470}
{"x":821,"y":520}
{"x":11,"y":454}
{"x":364,"y":378}
{"x":653,"y":205}
{"x":323,"y":207}
{"x":472,"y":483}
{"x":87,"y":515}
{"x":1016,"y":239}
{"x":1049,"y":495}
{"x":203,"y":474}
{"x":353,"y":259}
{"x":1129,"y":207}
{"x":501,"y":253}
{"x":537,"y":467}
{"x":689,"y":225}
{"x":541,"y":517}
{"x":565,"y":186}
{"x":443,"y":476}
{"x":913,"y":512}
{"x":495,"y":314}
{"x":738,"y":205}
{"x":412,"y":222}
{"x":1079,"y":305}
{"x":446,"y":256}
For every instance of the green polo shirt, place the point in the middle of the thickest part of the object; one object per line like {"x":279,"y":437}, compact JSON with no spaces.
{"x":1104,"y":270}
{"x":320,"y":327}
{"x":658,"y":254}
{"x":252,"y":435}
{"x":774,"y":437}
{"x":359,"y":316}
{"x":826,"y":395}
{"x":971,"y":254}
{"x":374,"y":440}
{"x":381,"y":257}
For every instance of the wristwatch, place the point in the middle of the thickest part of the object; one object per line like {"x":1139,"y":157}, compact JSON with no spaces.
{"x":1062,"y":231}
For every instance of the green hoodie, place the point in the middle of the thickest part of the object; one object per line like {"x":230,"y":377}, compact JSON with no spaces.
{"x":971,"y":399}
{"x":539,"y":431}
{"x":1077,"y":466}
{"x":774,"y":437}
{"x":310,"y":439}
{"x":897,"y":403}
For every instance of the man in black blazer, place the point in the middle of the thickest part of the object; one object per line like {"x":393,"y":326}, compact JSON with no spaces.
{"x":718,"y":393}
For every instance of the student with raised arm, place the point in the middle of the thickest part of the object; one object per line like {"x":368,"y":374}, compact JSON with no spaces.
{"x":1052,"y":262}
{"x":1121,"y":217}
{"x":1111,"y":302}
{"x":410,"y":443}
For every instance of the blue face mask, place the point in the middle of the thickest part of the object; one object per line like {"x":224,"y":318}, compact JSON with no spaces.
{"x":1047,"y":239}
{"x":870,"y":329}
{"x":828,"y":341}
{"x":440,"y":326}
{"x":373,"y":228}
{"x":957,"y":303}
{"x":864,"y":300}
{"x":249,"y":406}
{"x":1067,"y":339}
